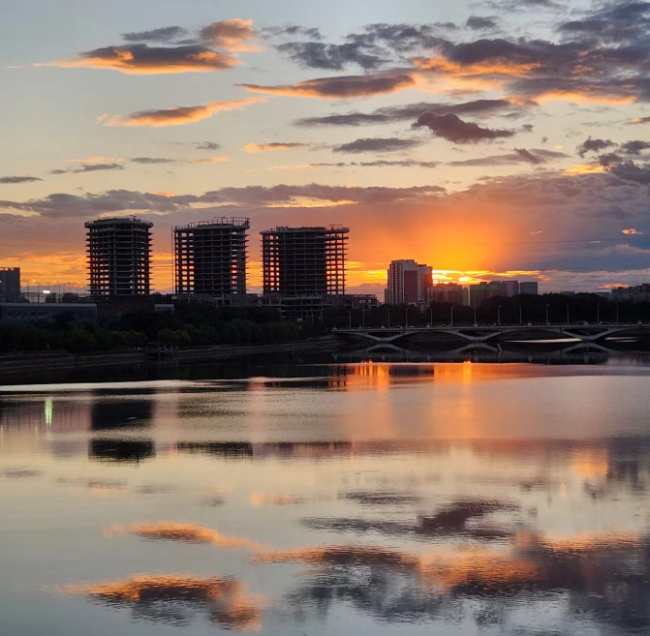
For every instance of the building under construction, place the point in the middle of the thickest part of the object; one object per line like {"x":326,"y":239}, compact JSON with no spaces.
{"x":210,"y":258}
{"x":304,"y":267}
{"x":119,"y":257}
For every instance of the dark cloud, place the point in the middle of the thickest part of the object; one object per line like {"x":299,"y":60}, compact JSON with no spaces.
{"x":142,"y":59}
{"x":68,"y":205}
{"x":629,"y":171}
{"x":524,"y":5}
{"x":609,"y":159}
{"x":641,"y":120}
{"x":292,"y":31}
{"x":208,"y":145}
{"x":341,"y":87}
{"x":319,"y":55}
{"x":391,"y":144}
{"x":389,"y":114}
{"x":593,"y":145}
{"x":479,"y":23}
{"x":535,"y":156}
{"x":165,"y":34}
{"x":454,"y":129}
{"x":635,"y":147}
{"x":24,"y":179}
{"x":380,"y":163}
{"x":151,"y":160}
{"x":90,"y":167}
{"x":626,"y":21}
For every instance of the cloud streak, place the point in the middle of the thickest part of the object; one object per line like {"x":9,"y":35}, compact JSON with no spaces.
{"x":342,"y":87}
{"x":391,"y":144}
{"x":180,"y":116}
{"x":274,"y":146}
{"x":21,"y":179}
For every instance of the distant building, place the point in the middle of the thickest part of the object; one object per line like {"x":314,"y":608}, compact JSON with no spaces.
{"x":359,"y":301}
{"x":529,"y":287}
{"x":210,"y":258}
{"x":298,"y":261}
{"x":10,"y":285}
{"x":637,"y":293}
{"x":511,"y":288}
{"x":452,"y":293}
{"x":16,"y":313}
{"x":408,"y":283}
{"x":304,"y":269}
{"x":478,"y":294}
{"x":119,"y":257}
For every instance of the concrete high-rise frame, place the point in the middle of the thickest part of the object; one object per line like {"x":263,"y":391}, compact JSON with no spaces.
{"x":304,"y":261}
{"x":210,"y":257}
{"x":119,"y":257}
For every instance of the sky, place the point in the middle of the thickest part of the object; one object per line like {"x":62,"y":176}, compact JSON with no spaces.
{"x":489,"y":139}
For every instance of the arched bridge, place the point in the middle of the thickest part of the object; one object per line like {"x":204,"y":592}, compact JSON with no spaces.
{"x":484,"y":333}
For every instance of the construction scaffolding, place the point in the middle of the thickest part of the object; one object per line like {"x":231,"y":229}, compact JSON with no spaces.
{"x":119,"y":257}
{"x":304,"y":261}
{"x":210,"y":257}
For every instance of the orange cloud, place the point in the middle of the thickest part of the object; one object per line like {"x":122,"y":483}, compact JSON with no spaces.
{"x":180,"y":116}
{"x":183,"y":533}
{"x":274,"y":146}
{"x":230,"y":34}
{"x":212,"y":160}
{"x":141,"y":59}
{"x":632,"y":232}
{"x":584,"y":168}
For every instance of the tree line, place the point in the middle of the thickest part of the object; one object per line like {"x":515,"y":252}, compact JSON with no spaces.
{"x":189,"y":325}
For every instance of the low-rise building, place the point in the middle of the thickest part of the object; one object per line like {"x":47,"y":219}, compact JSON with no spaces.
{"x":25,"y":313}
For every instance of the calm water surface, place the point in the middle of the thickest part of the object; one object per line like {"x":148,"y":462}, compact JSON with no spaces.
{"x":337,"y":499}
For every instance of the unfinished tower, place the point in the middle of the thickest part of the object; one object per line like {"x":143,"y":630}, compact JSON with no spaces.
{"x":304,"y":261}
{"x":210,"y":257}
{"x":119,"y":257}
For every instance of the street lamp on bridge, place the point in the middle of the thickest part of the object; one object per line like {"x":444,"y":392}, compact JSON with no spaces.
{"x":547,"y":308}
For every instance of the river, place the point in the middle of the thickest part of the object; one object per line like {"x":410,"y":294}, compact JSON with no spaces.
{"x":329,"y":499}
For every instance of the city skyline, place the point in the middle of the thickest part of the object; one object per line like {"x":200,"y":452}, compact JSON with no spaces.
{"x":469,"y":137}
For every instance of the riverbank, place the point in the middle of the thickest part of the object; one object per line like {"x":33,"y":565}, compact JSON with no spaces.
{"x":21,"y":363}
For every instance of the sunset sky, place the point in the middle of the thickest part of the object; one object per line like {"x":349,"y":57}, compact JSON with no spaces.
{"x":487,"y":139}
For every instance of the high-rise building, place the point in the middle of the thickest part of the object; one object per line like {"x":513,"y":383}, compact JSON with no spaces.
{"x":408,"y":283}
{"x":210,"y":258}
{"x":511,"y":287}
{"x":304,"y":261}
{"x":529,"y":287}
{"x":451,"y":293}
{"x":119,"y":257}
{"x":10,"y":285}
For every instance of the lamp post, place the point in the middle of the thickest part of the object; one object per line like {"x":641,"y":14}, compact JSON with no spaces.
{"x":598,"y":313}
{"x":430,"y":316}
{"x":617,"y":313}
{"x":499,"y":315}
{"x":452,"y":316}
{"x":521,"y":316}
{"x":349,"y":319}
{"x":568,"y":316}
{"x":363,"y":317}
{"x":475,"y":320}
{"x":388,"y":315}
{"x":407,"y":317}
{"x":547,"y":307}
